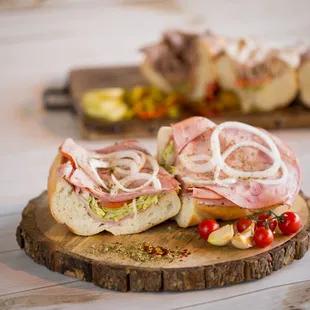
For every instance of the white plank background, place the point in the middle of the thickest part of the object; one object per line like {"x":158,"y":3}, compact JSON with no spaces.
{"x":40,"y":41}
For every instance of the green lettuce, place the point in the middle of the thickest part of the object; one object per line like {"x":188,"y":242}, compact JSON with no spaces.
{"x":116,"y":214}
{"x":167,"y":156}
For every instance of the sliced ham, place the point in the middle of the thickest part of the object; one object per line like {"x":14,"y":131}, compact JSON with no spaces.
{"x":184,"y":131}
{"x":204,"y":193}
{"x":246,"y":193}
{"x":215,"y":202}
{"x":124,"y":145}
{"x":78,"y":173}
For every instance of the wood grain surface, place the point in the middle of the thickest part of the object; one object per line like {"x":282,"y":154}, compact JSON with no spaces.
{"x":123,"y":263}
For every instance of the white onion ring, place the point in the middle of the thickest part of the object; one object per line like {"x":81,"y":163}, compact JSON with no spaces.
{"x":138,"y":156}
{"x":246,"y":174}
{"x":121,"y":184}
{"x":124,"y":162}
{"x":188,"y":162}
{"x":217,"y":159}
{"x":157,"y":184}
{"x":256,"y":174}
{"x":95,"y":163}
{"x":192,"y":181}
{"x":91,"y":170}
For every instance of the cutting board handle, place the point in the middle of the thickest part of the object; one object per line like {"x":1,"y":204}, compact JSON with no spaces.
{"x":57,"y":99}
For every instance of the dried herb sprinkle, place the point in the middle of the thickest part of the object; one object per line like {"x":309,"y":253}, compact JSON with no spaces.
{"x":139,"y":252}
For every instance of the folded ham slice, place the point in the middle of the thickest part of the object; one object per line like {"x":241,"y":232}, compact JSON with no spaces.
{"x":78,"y":171}
{"x":192,"y":139}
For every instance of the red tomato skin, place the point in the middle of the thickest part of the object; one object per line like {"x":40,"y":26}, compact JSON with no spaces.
{"x":206,"y":227}
{"x":263,"y":237}
{"x":272,"y":223}
{"x":115,"y":205}
{"x":243,"y":224}
{"x":291,"y":224}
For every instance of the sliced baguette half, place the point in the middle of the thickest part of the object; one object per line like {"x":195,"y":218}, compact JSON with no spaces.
{"x":192,"y":212}
{"x":67,"y":208}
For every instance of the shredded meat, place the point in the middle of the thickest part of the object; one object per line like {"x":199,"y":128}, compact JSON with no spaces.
{"x":270,"y":67}
{"x":175,"y":56}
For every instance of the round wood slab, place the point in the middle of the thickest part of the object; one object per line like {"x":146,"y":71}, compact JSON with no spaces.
{"x":164,"y":258}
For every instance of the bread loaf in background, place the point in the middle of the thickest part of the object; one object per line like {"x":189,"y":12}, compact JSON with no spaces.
{"x":264,"y":77}
{"x":304,"y":78}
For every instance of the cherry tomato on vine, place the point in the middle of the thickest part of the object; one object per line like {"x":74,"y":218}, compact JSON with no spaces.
{"x":206,"y":227}
{"x":243,"y":224}
{"x":263,"y":237}
{"x":272,"y":222}
{"x":291,"y":223}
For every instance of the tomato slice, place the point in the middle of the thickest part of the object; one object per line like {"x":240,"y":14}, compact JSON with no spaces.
{"x":115,"y":205}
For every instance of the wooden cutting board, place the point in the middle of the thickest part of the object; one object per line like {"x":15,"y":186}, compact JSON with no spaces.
{"x":84,"y":79}
{"x":164,"y":258}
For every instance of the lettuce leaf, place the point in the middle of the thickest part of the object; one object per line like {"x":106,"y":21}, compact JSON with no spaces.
{"x":168,"y":155}
{"x":116,"y":214}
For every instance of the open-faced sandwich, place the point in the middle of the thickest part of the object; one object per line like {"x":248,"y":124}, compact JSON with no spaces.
{"x":263,"y":76}
{"x":227,"y":171}
{"x":120,"y":188}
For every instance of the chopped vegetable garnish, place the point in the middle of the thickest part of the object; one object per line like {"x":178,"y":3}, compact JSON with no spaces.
{"x":149,"y":102}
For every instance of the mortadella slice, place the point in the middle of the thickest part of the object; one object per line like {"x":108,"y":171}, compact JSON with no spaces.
{"x":247,"y":193}
{"x":189,"y":129}
{"x":78,"y":172}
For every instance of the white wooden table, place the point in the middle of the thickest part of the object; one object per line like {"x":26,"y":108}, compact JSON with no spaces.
{"x":37,"y":47}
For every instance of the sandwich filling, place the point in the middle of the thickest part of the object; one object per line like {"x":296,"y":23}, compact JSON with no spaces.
{"x":128,"y":209}
{"x":233,"y":164}
{"x":175,"y":57}
{"x":114,"y":182}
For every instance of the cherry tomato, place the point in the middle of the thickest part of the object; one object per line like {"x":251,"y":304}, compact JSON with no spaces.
{"x":291,"y":224}
{"x":272,"y":222}
{"x":243,"y":224}
{"x":206,"y":227}
{"x":263,"y":237}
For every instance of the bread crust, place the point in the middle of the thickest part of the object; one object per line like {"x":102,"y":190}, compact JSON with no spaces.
{"x":192,"y":212}
{"x":52,"y":182}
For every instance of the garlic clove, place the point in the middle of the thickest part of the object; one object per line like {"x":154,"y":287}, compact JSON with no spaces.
{"x":241,"y":242}
{"x":244,"y":240}
{"x":221,"y":236}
